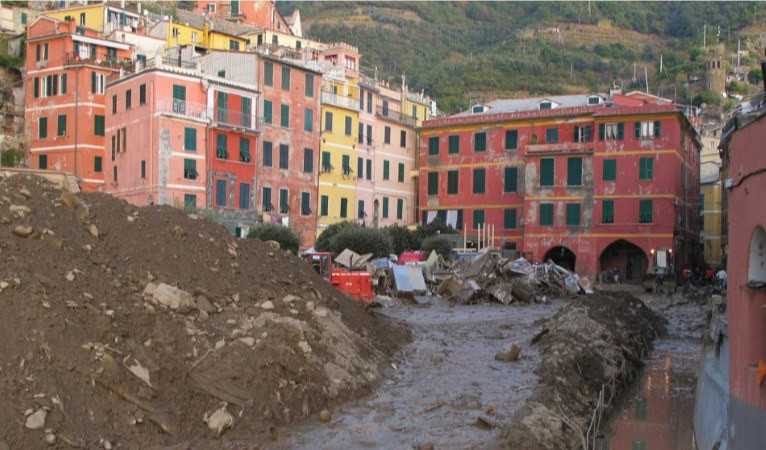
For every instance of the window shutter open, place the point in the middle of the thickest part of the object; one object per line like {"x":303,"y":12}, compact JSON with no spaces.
{"x":93,"y":82}
{"x":637,"y":129}
{"x":656,"y":128}
{"x":620,"y":131}
{"x":601,"y":131}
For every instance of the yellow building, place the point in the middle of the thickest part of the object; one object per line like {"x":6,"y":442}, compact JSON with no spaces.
{"x":276,"y":38}
{"x":710,"y":198}
{"x":100,"y":17}
{"x":193,"y":29}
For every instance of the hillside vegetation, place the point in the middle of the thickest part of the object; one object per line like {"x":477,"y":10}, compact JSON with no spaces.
{"x":461,"y":52}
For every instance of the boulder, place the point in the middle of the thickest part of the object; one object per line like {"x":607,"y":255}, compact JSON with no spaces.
{"x":172,"y":297}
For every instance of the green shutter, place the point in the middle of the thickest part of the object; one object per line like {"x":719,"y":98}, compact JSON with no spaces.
{"x":607,"y":211}
{"x":98,"y":126}
{"x":63,"y":84}
{"x":546,"y":172}
{"x":433,"y":183}
{"x":285,"y":78}
{"x":546,"y":214}
{"x":97,"y":164}
{"x":42,"y":128}
{"x":646,"y":169}
{"x":601,"y":131}
{"x":244,"y":149}
{"x":309,"y":85}
{"x":267,"y":111}
{"x":247,"y":109}
{"x":190,"y":139}
{"x":42,"y":162}
{"x":93,"y":82}
{"x":454,"y":145}
{"x":324,"y":205}
{"x":401,"y":173}
{"x":574,"y":171}
{"x":645,"y":211}
{"x":511,"y":179}
{"x":61,"y":125}
{"x":37,"y":87}
{"x":573,"y":214}
{"x":480,"y":142}
{"x":284,"y":116}
{"x":656,"y":128}
{"x":478,"y":218}
{"x":179,"y":92}
{"x":511,"y":139}
{"x":268,"y":74}
{"x":620,"y":131}
{"x":326,"y":166}
{"x":610,"y":170}
{"x":385,"y":207}
{"x":637,"y":129}
{"x":509,"y":219}
{"x":308,"y":120}
{"x":479,"y":176}
{"x":267,"y":149}
{"x":433,"y":146}
{"x":386,"y":170}
{"x":452,"y":181}
{"x":399,"y":208}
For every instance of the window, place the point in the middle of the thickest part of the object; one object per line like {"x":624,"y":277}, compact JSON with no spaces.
{"x":546,"y":172}
{"x":190,"y":201}
{"x":702,"y":203}
{"x":403,"y":139}
{"x":267,"y":154}
{"x":221,"y":146}
{"x":190,"y":139}
{"x":433,"y":183}
{"x":223,"y":107}
{"x":645,"y":211}
{"x":511,"y":139}
{"x":114,"y":140}
{"x":142,"y":94}
{"x":343,"y":207}
{"x":414,"y":112}
{"x":452,"y":182}
{"x":284,"y":116}
{"x":546,"y":214}
{"x":551,"y":135}
{"x":114,"y":104}
{"x":583,"y":134}
{"x":194,"y":36}
{"x":478,"y":218}
{"x":98,"y":125}
{"x":328,"y":121}
{"x":128,"y":99}
{"x":478,"y":180}
{"x":509,"y":219}
{"x":179,"y":99}
{"x":611,"y":131}
{"x":308,"y":120}
{"x":284,"y":156}
{"x":369,"y":169}
{"x":399,"y":208}
{"x":305,"y":203}
{"x":285,"y":78}
{"x":324,"y":205}
{"x":387,"y":135}
{"x":244,"y":196}
{"x":545,"y":105}
{"x":96,"y":83}
{"x":190,"y":169}
{"x":360,"y":168}
{"x":42,"y":161}
{"x":63,"y":83}
{"x":573,"y":214}
{"x":594,"y":100}
{"x":309,"y":91}
{"x":433,"y":145}
{"x":284,"y":204}
{"x":82,"y":19}
{"x":349,"y":125}
{"x":646,"y":168}
{"x":385,"y":108}
{"x":361,"y":133}
{"x":98,"y":164}
{"x":244,"y":149}
{"x":23,"y":18}
{"x":647,"y":130}
{"x":400,"y":174}
{"x":607,"y":211}
{"x":308,"y":160}
{"x":610,"y":170}
{"x":268,"y":73}
{"x":234,"y":7}
{"x":454,"y":145}
{"x":143,"y":169}
{"x":385,"y":207}
{"x":346,"y":165}
{"x":266,"y":205}
{"x":114,"y":173}
{"x":511,"y":179}
{"x":124,"y":138}
{"x":37,"y":87}
{"x":220,"y":192}
{"x":246,"y":108}
{"x":369,"y":102}
{"x":574,"y":171}
{"x":61,"y":128}
{"x":233,"y":45}
{"x":267,"y":113}
{"x":174,"y":32}
{"x":360,"y":209}
{"x":480,"y":142}
{"x":326,"y":166}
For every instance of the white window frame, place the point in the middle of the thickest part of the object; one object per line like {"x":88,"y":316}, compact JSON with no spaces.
{"x":194,"y":36}
{"x":547,"y":102}
{"x":100,"y":83}
{"x":610,"y":132}
{"x":647,"y":130}
{"x":211,"y":7}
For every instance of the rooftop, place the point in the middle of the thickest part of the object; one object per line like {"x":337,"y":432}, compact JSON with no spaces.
{"x":533,"y":104}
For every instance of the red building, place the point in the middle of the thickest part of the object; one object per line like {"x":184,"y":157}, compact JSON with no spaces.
{"x":67,"y":68}
{"x":287,"y":168}
{"x":590,"y":181}
{"x":261,"y":13}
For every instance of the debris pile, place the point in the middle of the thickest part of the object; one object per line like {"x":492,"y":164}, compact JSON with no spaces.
{"x":148,"y":327}
{"x":591,"y":350}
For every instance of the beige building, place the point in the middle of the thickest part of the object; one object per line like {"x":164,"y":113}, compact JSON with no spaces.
{"x":710,"y":197}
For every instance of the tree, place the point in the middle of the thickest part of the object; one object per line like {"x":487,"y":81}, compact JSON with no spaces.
{"x":8,"y":158}
{"x":402,"y":238}
{"x":274,"y":232}
{"x":442,"y":245}
{"x":362,"y":240}
{"x":437,"y":226}
{"x":323,"y":241}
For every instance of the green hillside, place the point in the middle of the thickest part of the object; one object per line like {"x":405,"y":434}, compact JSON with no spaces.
{"x":458,"y":51}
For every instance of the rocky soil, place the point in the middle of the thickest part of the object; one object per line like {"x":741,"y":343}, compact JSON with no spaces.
{"x":146,"y":327}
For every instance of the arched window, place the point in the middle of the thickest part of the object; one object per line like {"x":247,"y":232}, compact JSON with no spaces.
{"x":756,"y":273}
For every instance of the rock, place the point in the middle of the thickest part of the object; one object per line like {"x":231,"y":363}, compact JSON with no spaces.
{"x":50,"y":439}
{"x":178,"y":231}
{"x":203,"y":304}
{"x":511,"y":354}
{"x":290,"y":298}
{"x":3,"y":285}
{"x":321,"y":312}
{"x":93,"y":230}
{"x":55,"y":244}
{"x":267,"y":305}
{"x":274,"y":245}
{"x":25,"y":193}
{"x":309,"y":306}
{"x":304,"y":346}
{"x":69,"y":199}
{"x":219,"y":420}
{"x":20,"y":209}
{"x":325,"y":416}
{"x":172,"y":297}
{"x":23,"y":231}
{"x":149,"y":289}
{"x":70,"y":276}
{"x":220,"y":344}
{"x":87,"y":248}
{"x":249,"y":341}
{"x":36,"y":420}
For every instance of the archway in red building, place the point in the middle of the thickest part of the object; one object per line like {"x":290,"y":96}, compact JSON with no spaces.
{"x":629,"y":259}
{"x":562,"y":256}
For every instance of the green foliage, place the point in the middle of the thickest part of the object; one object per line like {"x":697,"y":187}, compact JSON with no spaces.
{"x":9,"y":158}
{"x":11,"y":61}
{"x":322,"y":243}
{"x":738,"y":88}
{"x":437,"y":226}
{"x":755,"y":75}
{"x":402,"y":238}
{"x":362,"y":240}
{"x":441,"y":244}
{"x":707,"y":97}
{"x":187,"y":5}
{"x":274,"y":232}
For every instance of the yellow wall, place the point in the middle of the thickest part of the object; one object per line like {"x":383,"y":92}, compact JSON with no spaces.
{"x":94,"y":15}
{"x":283,"y":39}
{"x":423,"y":110}
{"x":184,"y":35}
{"x":220,"y":41}
{"x":711,"y":215}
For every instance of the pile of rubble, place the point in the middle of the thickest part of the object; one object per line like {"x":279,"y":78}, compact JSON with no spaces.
{"x":148,"y":327}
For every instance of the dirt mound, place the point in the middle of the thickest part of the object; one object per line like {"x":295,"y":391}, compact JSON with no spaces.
{"x":591,"y":350}
{"x":147,"y":327}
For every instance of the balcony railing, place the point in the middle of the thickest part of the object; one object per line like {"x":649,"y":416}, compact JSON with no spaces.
{"x":340,"y":100}
{"x":197,"y":111}
{"x":74,"y":59}
{"x":396,"y":116}
{"x":237,"y":119}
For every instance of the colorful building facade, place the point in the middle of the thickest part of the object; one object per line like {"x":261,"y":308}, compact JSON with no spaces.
{"x":569,"y":179}
{"x":259,"y":14}
{"x":710,"y":198}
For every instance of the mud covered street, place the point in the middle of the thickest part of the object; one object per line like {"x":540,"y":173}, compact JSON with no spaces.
{"x":445,"y":379}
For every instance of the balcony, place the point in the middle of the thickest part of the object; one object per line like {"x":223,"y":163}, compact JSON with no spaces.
{"x":76,"y":59}
{"x":396,"y":116}
{"x":238,"y":120}
{"x":340,"y":100}
{"x":197,"y":111}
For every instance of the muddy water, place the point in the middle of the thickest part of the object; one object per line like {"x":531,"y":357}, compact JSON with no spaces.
{"x":447,"y":377}
{"x":657,"y":412}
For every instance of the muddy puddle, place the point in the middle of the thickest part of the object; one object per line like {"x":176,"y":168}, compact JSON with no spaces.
{"x":657,"y":412}
{"x":444,"y":380}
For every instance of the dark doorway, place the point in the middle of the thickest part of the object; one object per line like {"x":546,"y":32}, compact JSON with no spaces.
{"x":631,"y":262}
{"x":562,"y":256}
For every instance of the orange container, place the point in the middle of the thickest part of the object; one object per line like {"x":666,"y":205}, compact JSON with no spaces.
{"x":357,"y":284}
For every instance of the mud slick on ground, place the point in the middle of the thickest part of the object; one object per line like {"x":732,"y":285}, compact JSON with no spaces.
{"x":147,"y":327}
{"x":591,"y":350}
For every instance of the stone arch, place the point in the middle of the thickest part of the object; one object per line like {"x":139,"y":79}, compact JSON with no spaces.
{"x":562,"y":256}
{"x":629,"y":259}
{"x":756,"y":268}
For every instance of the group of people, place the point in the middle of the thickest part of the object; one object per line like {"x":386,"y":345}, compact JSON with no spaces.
{"x":707,"y":276}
